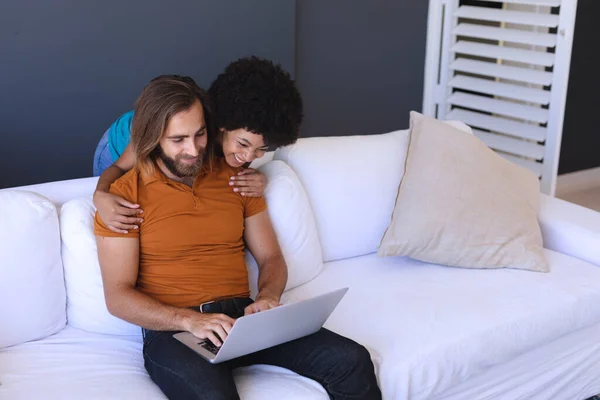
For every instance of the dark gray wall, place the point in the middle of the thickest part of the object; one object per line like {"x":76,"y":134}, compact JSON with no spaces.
{"x":581,"y":132}
{"x":68,"y":68}
{"x":360,"y":64}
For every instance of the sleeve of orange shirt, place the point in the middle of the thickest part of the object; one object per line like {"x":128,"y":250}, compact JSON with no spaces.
{"x":123,"y":187}
{"x":254,"y":205}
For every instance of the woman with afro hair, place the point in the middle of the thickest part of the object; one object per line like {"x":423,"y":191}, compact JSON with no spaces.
{"x":256,"y":107}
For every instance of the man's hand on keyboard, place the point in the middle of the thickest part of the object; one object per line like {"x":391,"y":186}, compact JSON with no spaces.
{"x":208,"y":326}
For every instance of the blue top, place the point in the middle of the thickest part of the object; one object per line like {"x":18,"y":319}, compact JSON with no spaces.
{"x":119,"y":135}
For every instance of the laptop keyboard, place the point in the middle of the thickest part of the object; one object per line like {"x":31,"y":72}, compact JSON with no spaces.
{"x":208,"y":345}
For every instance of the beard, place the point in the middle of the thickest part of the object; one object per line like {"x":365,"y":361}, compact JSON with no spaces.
{"x":179,"y":168}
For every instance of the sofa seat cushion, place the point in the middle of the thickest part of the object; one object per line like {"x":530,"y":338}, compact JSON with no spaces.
{"x":76,"y":364}
{"x":429,"y":327}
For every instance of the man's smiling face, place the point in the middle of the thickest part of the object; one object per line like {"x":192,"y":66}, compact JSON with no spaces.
{"x":182,"y":146}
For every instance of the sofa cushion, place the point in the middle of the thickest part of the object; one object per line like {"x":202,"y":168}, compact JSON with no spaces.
{"x":86,"y":307}
{"x":429,"y":327}
{"x":461,"y":204}
{"x":60,"y":192}
{"x":351,"y":183}
{"x":294,"y":224}
{"x":76,"y":364}
{"x":32,"y":289}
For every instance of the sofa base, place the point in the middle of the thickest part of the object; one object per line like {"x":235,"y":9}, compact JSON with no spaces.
{"x":565,"y":369}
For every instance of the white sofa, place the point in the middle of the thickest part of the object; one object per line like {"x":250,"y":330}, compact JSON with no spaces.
{"x":434,"y":332}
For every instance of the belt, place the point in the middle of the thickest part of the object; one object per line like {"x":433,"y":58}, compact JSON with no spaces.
{"x":233,"y":307}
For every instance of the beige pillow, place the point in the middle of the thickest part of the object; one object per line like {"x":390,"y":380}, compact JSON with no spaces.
{"x":461,"y":204}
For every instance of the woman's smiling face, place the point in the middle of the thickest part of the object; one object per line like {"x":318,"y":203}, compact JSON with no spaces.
{"x":241,"y":146}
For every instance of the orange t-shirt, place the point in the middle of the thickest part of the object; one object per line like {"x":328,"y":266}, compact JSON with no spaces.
{"x":191,"y":240}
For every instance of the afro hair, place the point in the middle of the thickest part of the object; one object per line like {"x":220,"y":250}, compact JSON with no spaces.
{"x":257,"y":95}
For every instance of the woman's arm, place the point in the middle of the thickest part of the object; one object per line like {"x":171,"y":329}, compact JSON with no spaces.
{"x":117,"y":213}
{"x":117,"y":170}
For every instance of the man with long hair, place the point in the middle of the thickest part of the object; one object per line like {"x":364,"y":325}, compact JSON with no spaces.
{"x":190,"y":250}
{"x":258,"y":107}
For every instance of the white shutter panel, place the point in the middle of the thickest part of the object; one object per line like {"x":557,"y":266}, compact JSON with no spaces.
{"x":502,"y":67}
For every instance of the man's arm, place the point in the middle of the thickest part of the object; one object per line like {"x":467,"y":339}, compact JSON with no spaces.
{"x":272,"y":271}
{"x":119,"y":263}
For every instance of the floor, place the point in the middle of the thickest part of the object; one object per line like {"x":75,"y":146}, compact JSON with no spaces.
{"x":581,"y":188}
{"x":589,"y":198}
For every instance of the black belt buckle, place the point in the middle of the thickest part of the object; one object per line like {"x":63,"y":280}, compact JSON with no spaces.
{"x":205,"y":307}
{"x":232,"y":307}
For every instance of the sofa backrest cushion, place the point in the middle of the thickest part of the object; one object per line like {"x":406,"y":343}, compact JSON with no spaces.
{"x":60,"y":192}
{"x":294,"y":224}
{"x":351,"y":183}
{"x":86,"y":307}
{"x":32,"y":289}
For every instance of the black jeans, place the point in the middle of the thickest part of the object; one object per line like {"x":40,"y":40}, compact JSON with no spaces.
{"x":342,"y":366}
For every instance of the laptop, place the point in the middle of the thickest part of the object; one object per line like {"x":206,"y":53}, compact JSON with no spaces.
{"x":266,"y":329}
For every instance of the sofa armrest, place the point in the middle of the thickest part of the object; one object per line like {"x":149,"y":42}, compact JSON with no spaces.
{"x":570,"y":229}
